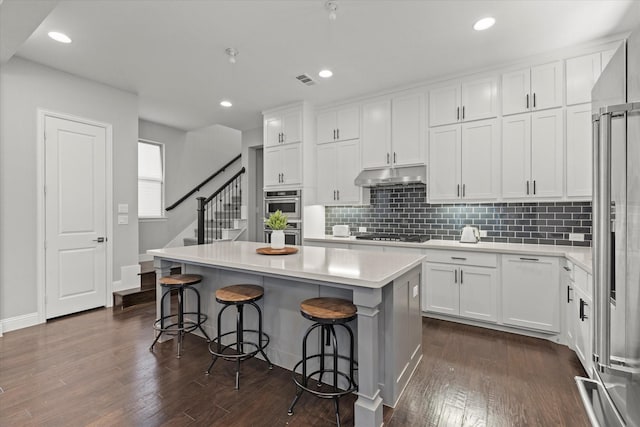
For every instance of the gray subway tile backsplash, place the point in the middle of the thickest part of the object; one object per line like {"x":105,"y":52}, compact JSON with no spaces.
{"x":404,"y":210}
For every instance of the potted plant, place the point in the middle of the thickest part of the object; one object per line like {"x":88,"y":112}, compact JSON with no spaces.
{"x":277,"y":222}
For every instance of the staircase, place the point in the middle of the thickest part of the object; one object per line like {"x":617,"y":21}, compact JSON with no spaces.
{"x":145,"y":293}
{"x":219,"y":218}
{"x":224,"y":223}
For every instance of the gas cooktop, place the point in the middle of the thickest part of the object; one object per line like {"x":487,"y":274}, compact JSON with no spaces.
{"x":393,"y":237}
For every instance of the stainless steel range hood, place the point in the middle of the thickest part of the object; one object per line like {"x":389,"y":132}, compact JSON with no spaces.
{"x":392,"y":176}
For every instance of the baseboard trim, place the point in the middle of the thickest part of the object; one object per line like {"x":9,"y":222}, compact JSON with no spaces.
{"x":19,"y":322}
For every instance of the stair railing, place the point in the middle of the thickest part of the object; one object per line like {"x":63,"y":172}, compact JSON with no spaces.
{"x":219,"y":210}
{"x":203,"y":183}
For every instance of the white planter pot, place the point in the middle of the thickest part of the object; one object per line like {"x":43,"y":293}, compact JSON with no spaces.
{"x":277,"y":239}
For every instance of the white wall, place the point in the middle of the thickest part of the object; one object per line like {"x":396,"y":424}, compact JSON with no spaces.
{"x":190,"y":157}
{"x":250,"y":140}
{"x":24,"y":87}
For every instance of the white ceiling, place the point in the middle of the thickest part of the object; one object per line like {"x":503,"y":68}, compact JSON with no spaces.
{"x":171,"y":53}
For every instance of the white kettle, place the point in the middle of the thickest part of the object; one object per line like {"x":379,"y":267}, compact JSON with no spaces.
{"x":470,"y":235}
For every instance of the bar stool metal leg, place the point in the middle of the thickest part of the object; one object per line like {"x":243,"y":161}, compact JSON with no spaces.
{"x":180,"y":320}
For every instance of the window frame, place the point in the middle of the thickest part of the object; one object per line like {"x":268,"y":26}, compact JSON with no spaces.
{"x":162,"y":216}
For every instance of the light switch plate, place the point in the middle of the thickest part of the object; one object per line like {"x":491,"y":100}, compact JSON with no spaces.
{"x":483,"y":233}
{"x":362,"y":229}
{"x":123,"y":208}
{"x":123,"y":219}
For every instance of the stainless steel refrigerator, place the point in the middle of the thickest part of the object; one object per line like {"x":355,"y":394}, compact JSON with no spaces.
{"x":612,"y":396}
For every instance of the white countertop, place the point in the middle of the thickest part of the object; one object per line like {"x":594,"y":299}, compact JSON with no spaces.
{"x":582,"y":256}
{"x":343,"y":266}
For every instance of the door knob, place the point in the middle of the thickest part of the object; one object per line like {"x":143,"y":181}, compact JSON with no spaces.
{"x":100,"y":239}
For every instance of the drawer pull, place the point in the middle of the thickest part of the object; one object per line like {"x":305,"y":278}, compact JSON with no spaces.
{"x":569,"y":299}
{"x":529,"y":259}
{"x":582,"y":313}
{"x":458,"y":258}
{"x":566,"y":268}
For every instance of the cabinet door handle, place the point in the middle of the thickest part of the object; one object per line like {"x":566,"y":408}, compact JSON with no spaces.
{"x":534,"y":100}
{"x":334,"y":134}
{"x":527,"y":187}
{"x":337,"y":133}
{"x":569,"y":289}
{"x":458,"y":258}
{"x":566,"y":268}
{"x":458,"y":113}
{"x":388,"y":158}
{"x":338,"y":194}
{"x":534,"y":186}
{"x":464,"y":189}
{"x":458,"y":190}
{"x":582,"y":313}
{"x":463,"y":112}
{"x":455,"y":277}
{"x":530,"y":259}
{"x":334,"y":194}
{"x":395,"y":158}
{"x":461,"y":276}
{"x":527,"y":101}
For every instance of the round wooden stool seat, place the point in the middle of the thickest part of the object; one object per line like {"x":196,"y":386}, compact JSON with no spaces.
{"x":239,"y":294}
{"x":332,"y":310}
{"x":180,"y":280}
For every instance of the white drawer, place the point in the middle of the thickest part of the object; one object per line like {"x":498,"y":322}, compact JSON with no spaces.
{"x":481,"y":259}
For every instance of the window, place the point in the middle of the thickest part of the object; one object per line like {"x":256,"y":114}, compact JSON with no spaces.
{"x":150,"y":179}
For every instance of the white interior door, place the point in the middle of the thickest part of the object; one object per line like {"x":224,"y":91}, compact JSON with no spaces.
{"x":75,"y":210}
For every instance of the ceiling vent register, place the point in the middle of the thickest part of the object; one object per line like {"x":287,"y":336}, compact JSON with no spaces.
{"x":306,"y":79}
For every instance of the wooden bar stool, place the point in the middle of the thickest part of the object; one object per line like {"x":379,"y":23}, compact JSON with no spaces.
{"x":238,"y":296}
{"x":182,"y":322}
{"x":326,"y":313}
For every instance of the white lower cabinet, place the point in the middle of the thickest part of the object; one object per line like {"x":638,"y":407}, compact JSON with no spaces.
{"x":531,"y":292}
{"x":583,"y":328}
{"x":568,"y":288}
{"x":461,"y":290}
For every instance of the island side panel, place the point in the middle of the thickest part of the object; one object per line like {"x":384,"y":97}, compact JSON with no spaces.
{"x":401,"y":350}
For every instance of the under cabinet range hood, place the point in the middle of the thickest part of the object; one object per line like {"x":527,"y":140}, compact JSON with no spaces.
{"x":392,"y":176}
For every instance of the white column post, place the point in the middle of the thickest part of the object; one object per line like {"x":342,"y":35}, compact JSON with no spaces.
{"x":368,"y":407}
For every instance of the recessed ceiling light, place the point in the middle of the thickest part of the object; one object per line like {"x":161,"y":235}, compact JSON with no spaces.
{"x":226,"y":104}
{"x":325,"y":74}
{"x":59,"y":37}
{"x":484,"y":23}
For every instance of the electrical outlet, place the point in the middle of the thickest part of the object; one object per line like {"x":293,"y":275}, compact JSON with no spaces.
{"x":483,"y":233}
{"x":362,"y":229}
{"x":576,"y":237}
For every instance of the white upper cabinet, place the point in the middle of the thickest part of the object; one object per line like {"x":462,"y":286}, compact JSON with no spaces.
{"x":338,"y":125}
{"x":338,"y":165}
{"x":471,"y":100}
{"x":547,"y":160}
{"x":532,"y":155}
{"x":479,"y":99}
{"x":532,"y":89}
{"x":579,"y":153}
{"x":464,"y":162}
{"x":582,"y":73}
{"x":480,"y":162}
{"x":283,"y":128}
{"x":283,"y":165}
{"x":393,"y":131}
{"x":407,"y":129}
{"x":376,"y":134}
{"x":444,"y":163}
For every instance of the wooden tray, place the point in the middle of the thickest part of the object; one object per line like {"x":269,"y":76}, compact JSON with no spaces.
{"x":287,"y":250}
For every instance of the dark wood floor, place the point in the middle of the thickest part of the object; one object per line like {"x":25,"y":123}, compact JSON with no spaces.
{"x":95,"y":369}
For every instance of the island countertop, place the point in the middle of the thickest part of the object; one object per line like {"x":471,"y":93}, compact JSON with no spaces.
{"x":349,"y":267}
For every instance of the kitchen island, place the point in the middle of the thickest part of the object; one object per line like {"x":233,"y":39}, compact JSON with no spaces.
{"x":384,"y":287}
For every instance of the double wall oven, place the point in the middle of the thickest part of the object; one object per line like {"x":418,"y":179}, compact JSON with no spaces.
{"x":289,"y":202}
